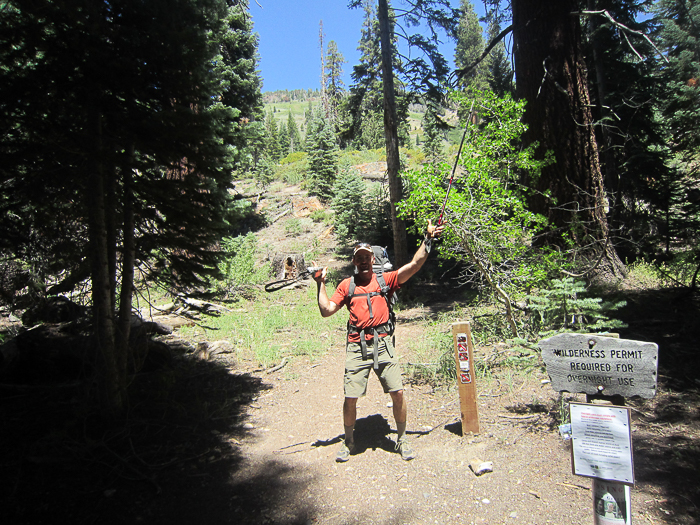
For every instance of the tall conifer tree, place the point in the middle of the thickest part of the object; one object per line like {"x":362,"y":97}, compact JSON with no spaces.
{"x":323,"y":156}
{"x":469,"y":47}
{"x":679,"y":22}
{"x":295,"y":143}
{"x":335,"y":88}
{"x":679,"y":31}
{"x":630,"y":140}
{"x":499,"y":74}
{"x":115,"y":112}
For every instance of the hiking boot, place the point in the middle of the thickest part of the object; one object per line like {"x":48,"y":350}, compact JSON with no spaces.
{"x":404,"y":448}
{"x":345,"y":451}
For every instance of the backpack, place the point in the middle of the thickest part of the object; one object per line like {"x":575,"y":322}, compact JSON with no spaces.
{"x":381,"y":264}
{"x":381,"y":260}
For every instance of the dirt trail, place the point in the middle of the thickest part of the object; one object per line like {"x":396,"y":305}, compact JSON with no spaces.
{"x":297,"y":426}
{"x":230,"y":445}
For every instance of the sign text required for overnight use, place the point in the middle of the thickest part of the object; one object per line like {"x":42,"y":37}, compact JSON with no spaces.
{"x":592,"y":364}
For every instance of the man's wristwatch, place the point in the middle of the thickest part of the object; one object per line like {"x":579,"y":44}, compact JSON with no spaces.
{"x":428,"y":241}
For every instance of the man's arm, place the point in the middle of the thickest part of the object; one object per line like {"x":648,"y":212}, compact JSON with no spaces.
{"x":325,"y":305}
{"x":409,"y":270}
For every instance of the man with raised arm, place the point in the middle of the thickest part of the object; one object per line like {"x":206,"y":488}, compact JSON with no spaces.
{"x":369,"y":343}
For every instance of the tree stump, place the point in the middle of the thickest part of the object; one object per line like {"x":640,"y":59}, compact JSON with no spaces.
{"x":288,"y":266}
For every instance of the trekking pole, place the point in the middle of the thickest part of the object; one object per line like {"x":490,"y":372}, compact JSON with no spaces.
{"x":282,"y":283}
{"x":454,"y":168}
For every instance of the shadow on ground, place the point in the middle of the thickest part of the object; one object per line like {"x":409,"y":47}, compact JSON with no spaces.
{"x":173,"y":459}
{"x":666,"y":437}
{"x":371,"y":432}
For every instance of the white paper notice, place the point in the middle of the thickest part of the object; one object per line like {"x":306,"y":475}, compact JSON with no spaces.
{"x":601,"y":442}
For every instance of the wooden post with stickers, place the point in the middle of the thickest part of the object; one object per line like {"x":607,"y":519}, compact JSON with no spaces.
{"x":466,"y":380}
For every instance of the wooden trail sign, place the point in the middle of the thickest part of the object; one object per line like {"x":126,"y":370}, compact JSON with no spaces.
{"x":593,"y":364}
{"x":464,"y":359}
{"x":604,"y":368}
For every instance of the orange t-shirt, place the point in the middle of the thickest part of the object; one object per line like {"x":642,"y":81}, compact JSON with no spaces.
{"x":358,"y":306}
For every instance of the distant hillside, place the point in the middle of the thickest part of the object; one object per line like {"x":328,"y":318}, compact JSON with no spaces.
{"x":294,"y":95}
{"x":297,"y":101}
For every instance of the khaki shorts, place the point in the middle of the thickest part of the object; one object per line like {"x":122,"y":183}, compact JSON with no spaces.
{"x":357,"y":369}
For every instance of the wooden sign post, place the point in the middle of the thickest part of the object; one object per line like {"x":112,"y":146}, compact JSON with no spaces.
{"x":466,"y":380}
{"x":605,"y":369}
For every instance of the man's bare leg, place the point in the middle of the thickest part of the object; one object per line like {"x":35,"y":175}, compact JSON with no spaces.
{"x":349,"y":418}
{"x":400,"y":409}
{"x":400,"y":412}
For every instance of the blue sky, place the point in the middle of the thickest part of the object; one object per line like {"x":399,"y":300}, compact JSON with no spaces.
{"x":290,"y":56}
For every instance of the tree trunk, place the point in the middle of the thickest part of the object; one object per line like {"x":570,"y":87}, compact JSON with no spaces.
{"x":610,"y":175}
{"x":110,"y":384}
{"x":110,"y":189}
{"x":551,"y":76}
{"x":391,"y":135}
{"x":128,"y":257}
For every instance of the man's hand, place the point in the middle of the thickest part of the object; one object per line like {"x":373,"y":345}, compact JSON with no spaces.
{"x":325,"y":305}
{"x":320,"y":277}
{"x":433,"y":231}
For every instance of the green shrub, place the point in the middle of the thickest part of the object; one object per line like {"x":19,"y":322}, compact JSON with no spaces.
{"x":294,"y":157}
{"x":416,"y":158}
{"x":679,"y":271}
{"x":644,"y":275}
{"x":565,"y":307}
{"x":320,"y":216}
{"x":292,"y":227}
{"x":296,"y":226}
{"x":239,"y":269}
{"x":353,"y":156}
{"x":488,"y":226}
{"x":293,"y":168}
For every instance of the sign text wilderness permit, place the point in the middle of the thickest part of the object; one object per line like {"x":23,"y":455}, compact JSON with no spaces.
{"x":592,"y":364}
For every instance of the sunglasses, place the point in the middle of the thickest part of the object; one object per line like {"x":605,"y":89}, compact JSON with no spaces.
{"x":362,"y":246}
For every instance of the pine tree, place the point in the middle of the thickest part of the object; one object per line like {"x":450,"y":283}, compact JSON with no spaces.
{"x":469,"y":47}
{"x":283,"y":140}
{"x":295,"y":143}
{"x":308,"y":123}
{"x":323,"y":156}
{"x":424,"y":74}
{"x":364,"y":100}
{"x":363,"y":113}
{"x":118,"y":147}
{"x":679,"y":22}
{"x":433,"y":135}
{"x":238,"y":46}
{"x":499,"y":74}
{"x":241,"y":82}
{"x":272,"y":142}
{"x":631,"y":146}
{"x":679,"y":31}
{"x":335,"y":88}
{"x":349,"y":201}
{"x":546,"y":33}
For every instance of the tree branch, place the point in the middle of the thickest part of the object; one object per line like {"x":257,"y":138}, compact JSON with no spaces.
{"x":462,"y":72}
{"x":617,"y":24}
